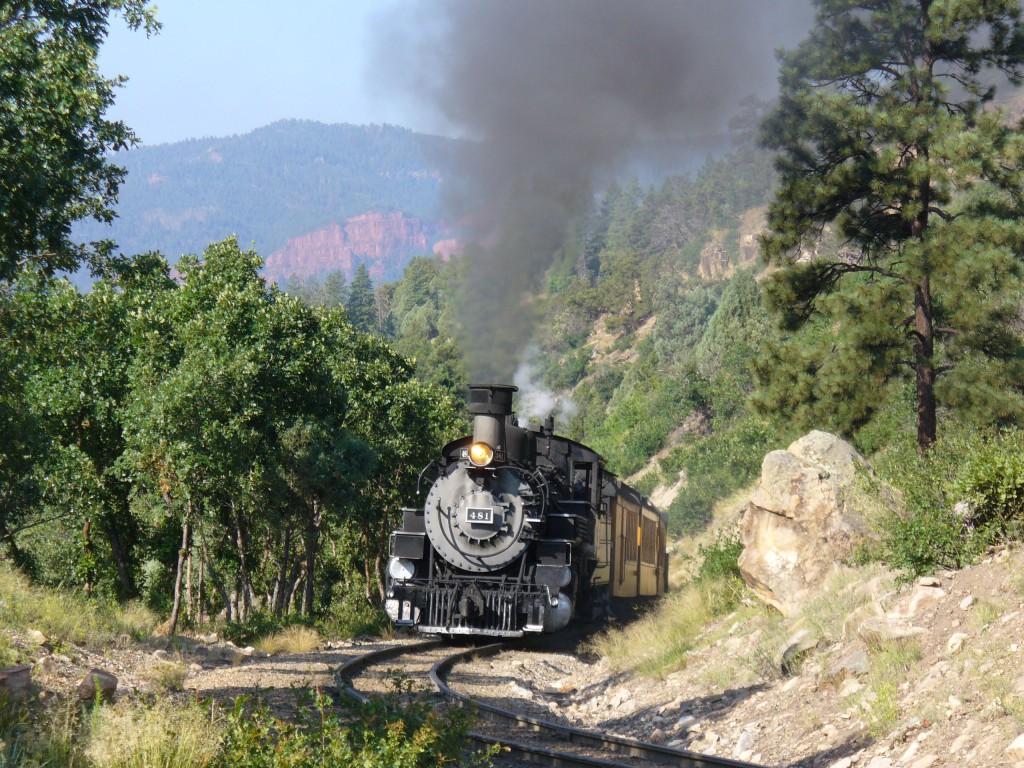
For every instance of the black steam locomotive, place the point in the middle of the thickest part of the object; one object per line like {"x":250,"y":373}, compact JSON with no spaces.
{"x":522,"y":531}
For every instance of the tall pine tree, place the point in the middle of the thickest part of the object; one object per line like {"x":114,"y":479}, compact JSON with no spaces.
{"x":887,"y":139}
{"x":361,"y":306}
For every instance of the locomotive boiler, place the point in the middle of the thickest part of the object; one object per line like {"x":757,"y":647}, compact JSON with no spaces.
{"x":521,"y":531}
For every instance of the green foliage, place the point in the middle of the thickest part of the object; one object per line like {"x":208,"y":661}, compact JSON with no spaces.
{"x":54,"y":167}
{"x":990,"y":482}
{"x":715,"y":466}
{"x":352,"y":614}
{"x":422,"y":314}
{"x":924,"y":540}
{"x":961,"y":498}
{"x":643,"y":410}
{"x":360,"y":307}
{"x":720,"y":558}
{"x":884,"y":138}
{"x":211,"y":426}
{"x":396,"y":730}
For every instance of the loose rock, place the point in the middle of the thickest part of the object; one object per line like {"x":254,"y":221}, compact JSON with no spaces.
{"x":97,"y":681}
{"x":955,"y":642}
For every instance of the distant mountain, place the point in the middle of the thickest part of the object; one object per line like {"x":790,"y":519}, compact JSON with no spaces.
{"x":312,"y":197}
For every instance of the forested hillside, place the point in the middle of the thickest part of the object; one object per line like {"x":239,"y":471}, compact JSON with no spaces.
{"x":275,"y":183}
{"x":652,"y":320}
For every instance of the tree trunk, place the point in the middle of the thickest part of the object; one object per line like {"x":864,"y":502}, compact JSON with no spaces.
{"x":88,"y":547}
{"x":218,"y":584}
{"x":278,"y":600}
{"x":180,"y":570}
{"x":312,"y":542}
{"x":924,"y":347}
{"x":293,"y":582}
{"x":199,"y":592}
{"x":19,"y":558}
{"x":188,"y":585}
{"x":377,"y":571}
{"x":124,"y":573}
{"x":245,"y":585}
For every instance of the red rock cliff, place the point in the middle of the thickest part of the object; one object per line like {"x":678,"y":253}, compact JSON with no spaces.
{"x":385,"y":241}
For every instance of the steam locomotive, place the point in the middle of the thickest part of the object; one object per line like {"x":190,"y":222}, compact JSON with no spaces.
{"x":522,"y":531}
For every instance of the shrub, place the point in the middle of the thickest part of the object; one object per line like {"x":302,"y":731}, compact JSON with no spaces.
{"x":721,"y":557}
{"x":991,"y":483}
{"x":294,"y":639}
{"x":398,"y":730}
{"x":925,"y":539}
{"x":964,"y":495}
{"x":259,"y":624}
{"x":352,"y":615}
{"x":168,"y":675}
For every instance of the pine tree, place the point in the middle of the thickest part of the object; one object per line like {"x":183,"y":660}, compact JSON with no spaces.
{"x":361,"y":307}
{"x":887,"y":139}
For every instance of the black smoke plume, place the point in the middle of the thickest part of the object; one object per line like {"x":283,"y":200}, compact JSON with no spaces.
{"x":555,"y":95}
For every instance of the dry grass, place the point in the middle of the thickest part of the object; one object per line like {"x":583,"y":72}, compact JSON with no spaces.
{"x":142,"y":737}
{"x":294,"y":639}
{"x":846,"y":590}
{"x":669,"y":631}
{"x":68,"y":615}
{"x":168,"y":675}
{"x":677,"y":623}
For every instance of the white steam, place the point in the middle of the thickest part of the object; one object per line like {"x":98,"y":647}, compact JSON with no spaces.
{"x":535,"y":402}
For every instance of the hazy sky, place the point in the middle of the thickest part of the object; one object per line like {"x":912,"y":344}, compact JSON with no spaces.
{"x":229,"y":66}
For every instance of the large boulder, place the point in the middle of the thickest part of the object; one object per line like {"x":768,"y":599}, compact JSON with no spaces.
{"x":806,"y":516}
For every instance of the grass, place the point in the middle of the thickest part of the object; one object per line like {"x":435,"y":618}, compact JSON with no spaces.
{"x":168,"y":675}
{"x":844,"y":591}
{"x":293,"y":639}
{"x":677,"y":623}
{"x":984,"y":613}
{"x":890,"y":663}
{"x":123,"y":735}
{"x":668,"y":632}
{"x":684,"y":554}
{"x":145,"y":736}
{"x":67,"y":616}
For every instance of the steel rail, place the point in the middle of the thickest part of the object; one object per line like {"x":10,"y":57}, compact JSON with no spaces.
{"x":607,"y":742}
{"x":522,"y":751}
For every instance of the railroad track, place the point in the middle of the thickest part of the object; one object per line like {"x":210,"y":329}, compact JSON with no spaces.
{"x":542,"y":742}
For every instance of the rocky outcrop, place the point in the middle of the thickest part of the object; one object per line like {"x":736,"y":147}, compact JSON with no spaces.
{"x":383,"y":241}
{"x":804,"y":517}
{"x":714,"y":260}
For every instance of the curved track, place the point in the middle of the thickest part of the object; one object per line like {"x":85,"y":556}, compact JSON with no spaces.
{"x":543,"y":742}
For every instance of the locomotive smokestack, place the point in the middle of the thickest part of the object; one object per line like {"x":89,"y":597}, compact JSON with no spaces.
{"x":490,"y":405}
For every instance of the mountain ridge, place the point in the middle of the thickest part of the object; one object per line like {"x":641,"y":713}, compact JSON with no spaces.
{"x":281,"y":183}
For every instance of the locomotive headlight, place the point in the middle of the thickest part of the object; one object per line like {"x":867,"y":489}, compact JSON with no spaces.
{"x":401,"y":569}
{"x":480,"y":454}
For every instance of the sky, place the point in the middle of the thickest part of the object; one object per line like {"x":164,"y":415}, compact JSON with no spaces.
{"x":229,"y":66}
